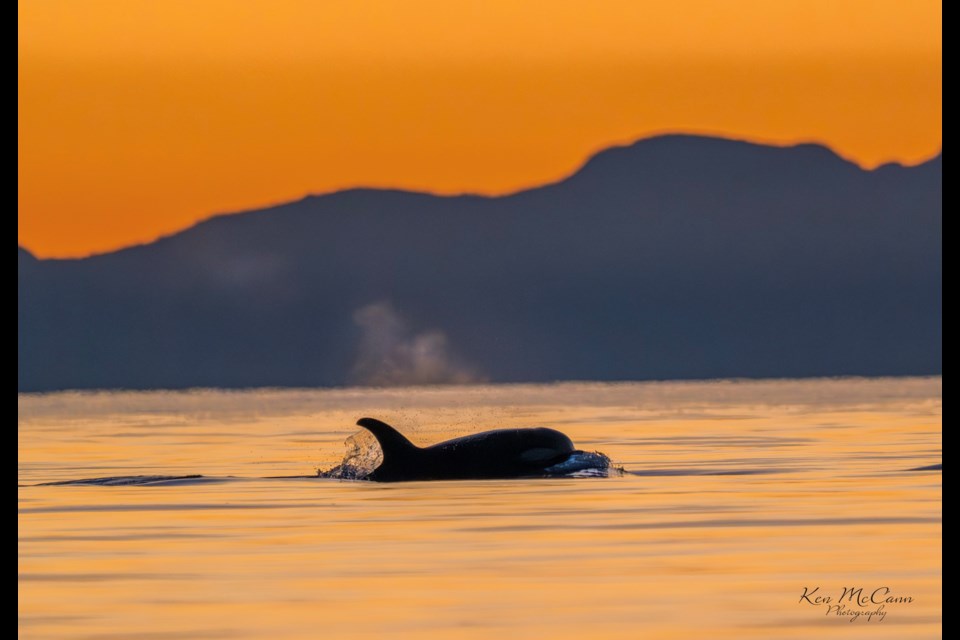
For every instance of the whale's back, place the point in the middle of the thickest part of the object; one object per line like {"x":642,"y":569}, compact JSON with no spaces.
{"x":501,"y":453}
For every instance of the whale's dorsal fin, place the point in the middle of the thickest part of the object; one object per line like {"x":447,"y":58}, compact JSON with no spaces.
{"x":392,"y":442}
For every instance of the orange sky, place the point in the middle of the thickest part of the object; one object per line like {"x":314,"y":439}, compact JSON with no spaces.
{"x":139,"y":117}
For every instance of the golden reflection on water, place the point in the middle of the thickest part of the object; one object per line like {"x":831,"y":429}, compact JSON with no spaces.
{"x":737,"y":496}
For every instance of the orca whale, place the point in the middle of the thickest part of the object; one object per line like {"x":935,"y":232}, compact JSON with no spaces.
{"x":502,"y":453}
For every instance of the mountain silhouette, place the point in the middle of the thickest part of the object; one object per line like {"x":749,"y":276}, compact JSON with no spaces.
{"x":674,"y":257}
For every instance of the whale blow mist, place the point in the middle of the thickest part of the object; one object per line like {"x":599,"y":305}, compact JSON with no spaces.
{"x":392,"y":354}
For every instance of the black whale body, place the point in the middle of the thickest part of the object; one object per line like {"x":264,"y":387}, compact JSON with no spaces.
{"x":503,"y":453}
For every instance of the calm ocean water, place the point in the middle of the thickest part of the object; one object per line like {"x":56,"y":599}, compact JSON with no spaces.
{"x":737,"y":498}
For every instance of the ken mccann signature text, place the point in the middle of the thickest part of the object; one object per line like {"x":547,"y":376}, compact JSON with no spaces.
{"x":854,"y":603}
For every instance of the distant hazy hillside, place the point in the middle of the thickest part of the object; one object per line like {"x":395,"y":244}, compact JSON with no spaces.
{"x":676,"y":257}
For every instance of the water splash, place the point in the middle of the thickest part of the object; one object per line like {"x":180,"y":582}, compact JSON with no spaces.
{"x":584,"y":464}
{"x":362,"y":457}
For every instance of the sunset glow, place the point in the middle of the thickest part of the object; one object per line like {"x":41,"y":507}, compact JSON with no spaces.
{"x":137,"y":119}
